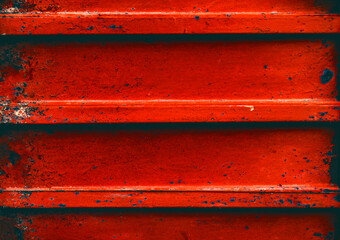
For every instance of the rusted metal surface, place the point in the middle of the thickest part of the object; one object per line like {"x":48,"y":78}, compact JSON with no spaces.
{"x":169,"y":79}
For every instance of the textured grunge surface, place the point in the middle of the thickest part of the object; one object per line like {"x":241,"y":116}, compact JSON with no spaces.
{"x":147,"y":165}
{"x":168,"y":79}
{"x":134,"y":119}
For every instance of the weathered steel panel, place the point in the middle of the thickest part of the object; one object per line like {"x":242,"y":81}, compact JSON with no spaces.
{"x":169,"y":79}
{"x":173,"y":69}
{"x":60,"y":179}
{"x":147,"y":166}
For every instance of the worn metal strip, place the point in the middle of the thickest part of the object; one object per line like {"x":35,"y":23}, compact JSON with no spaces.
{"x":137,"y":16}
{"x":162,"y":23}
{"x":257,"y":166}
{"x":89,"y":199}
{"x":104,"y":79}
{"x":168,"y":111}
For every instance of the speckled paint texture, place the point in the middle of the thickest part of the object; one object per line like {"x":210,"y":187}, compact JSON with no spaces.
{"x":169,"y":119}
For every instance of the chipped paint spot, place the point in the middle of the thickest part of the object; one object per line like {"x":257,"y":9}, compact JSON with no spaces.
{"x":326,"y":76}
{"x":15,"y":114}
{"x":7,"y":155}
{"x":10,"y":10}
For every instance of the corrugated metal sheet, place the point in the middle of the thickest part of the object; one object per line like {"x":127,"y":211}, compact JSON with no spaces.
{"x":169,"y":120}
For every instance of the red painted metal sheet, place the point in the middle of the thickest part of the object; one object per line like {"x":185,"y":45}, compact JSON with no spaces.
{"x":160,"y":6}
{"x":169,"y":167}
{"x":83,"y":23}
{"x":73,"y":181}
{"x":107,"y":80}
{"x":179,"y":224}
{"x":115,"y":17}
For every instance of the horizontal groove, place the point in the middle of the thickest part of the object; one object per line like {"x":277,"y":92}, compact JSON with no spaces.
{"x":158,"y":38}
{"x":178,"y":210}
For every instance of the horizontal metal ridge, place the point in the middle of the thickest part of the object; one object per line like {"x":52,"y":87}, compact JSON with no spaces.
{"x":115,"y":111}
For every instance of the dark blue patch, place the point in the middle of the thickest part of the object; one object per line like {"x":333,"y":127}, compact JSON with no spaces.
{"x":326,"y":76}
